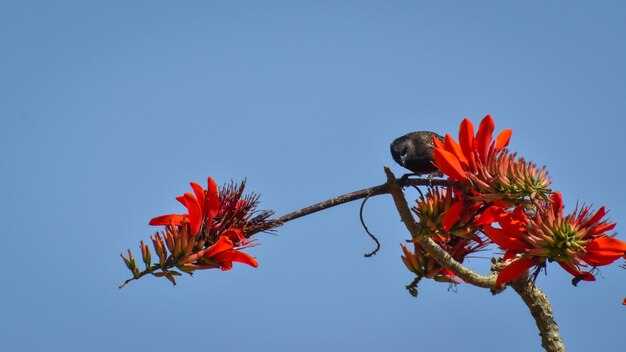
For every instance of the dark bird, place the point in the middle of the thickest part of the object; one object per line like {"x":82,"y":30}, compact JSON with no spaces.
{"x":414,"y":151}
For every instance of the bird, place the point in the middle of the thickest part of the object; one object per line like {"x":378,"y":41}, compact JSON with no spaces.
{"x":414,"y":151}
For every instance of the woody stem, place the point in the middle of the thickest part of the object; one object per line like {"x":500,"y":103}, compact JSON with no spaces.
{"x":541,"y":310}
{"x":534,"y":298}
{"x":360,"y":194}
{"x":432,"y":248}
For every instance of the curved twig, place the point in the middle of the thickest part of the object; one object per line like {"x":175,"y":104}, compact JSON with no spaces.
{"x":367,"y":255}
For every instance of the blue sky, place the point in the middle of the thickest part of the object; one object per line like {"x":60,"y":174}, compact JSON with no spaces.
{"x":109,"y":109}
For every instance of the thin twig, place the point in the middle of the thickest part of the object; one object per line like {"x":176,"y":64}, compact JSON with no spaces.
{"x":141,"y":274}
{"x":367,"y":255}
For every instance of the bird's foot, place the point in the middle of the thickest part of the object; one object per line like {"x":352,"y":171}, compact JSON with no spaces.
{"x":404,"y":178}
{"x":430,"y":180}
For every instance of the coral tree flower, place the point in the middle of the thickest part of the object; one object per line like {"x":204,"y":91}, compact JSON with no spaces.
{"x":446,"y":218}
{"x":222,"y":254}
{"x":457,"y":159}
{"x":422,"y":265}
{"x":484,"y":166}
{"x":446,"y":212}
{"x":202,"y":206}
{"x":495,"y":186}
{"x":217,"y":226}
{"x":577,"y":240}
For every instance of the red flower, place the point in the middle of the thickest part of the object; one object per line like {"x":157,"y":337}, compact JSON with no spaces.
{"x":217,"y":226}
{"x":457,"y":159}
{"x":487,"y":168}
{"x":202,"y":206}
{"x":446,"y":217}
{"x":223,"y":253}
{"x":444,"y":212}
{"x":576,"y":240}
{"x":423,"y":265}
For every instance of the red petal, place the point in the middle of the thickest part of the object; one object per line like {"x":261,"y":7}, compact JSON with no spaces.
{"x":599,"y":259}
{"x":483,"y":137}
{"x":466,"y":139}
{"x":513,"y":223}
{"x":447,"y":272}
{"x":452,"y":215}
{"x":595,"y":218}
{"x":624,"y":303}
{"x":199,"y":193}
{"x":489,"y":216}
{"x":504,"y":240}
{"x":582,"y":214}
{"x":223,"y":244}
{"x":181,"y":199}
{"x":171,"y":219}
{"x":598,"y":230}
{"x":234,"y":235}
{"x":503,"y":139}
{"x":437,"y":142}
{"x":453,"y":147}
{"x":235,"y":256}
{"x":212,"y":200}
{"x":225,"y":265}
{"x":449,"y":165}
{"x":604,"y":250}
{"x":557,"y":203}
{"x":195,"y":213}
{"x":509,"y":255}
{"x":606,"y":244}
{"x":583,"y":275}
{"x":514,"y":270}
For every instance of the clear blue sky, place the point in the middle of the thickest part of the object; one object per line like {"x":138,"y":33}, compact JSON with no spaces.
{"x":109,"y":109}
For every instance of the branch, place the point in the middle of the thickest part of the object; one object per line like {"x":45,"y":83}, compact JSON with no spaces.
{"x":445,"y":259}
{"x":532,"y":296}
{"x":540,"y":308}
{"x":360,"y":194}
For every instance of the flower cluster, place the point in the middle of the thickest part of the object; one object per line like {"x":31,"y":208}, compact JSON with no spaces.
{"x":211,"y":234}
{"x":576,"y":240}
{"x":446,"y":217}
{"x":443,"y":212}
{"x":485,"y":166}
{"x":420,"y":263}
{"x":496,"y":188}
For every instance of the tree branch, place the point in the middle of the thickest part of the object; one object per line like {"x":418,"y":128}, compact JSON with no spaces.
{"x":541,"y":310}
{"x":533,"y":297}
{"x":360,"y":194}
{"x":445,"y":259}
